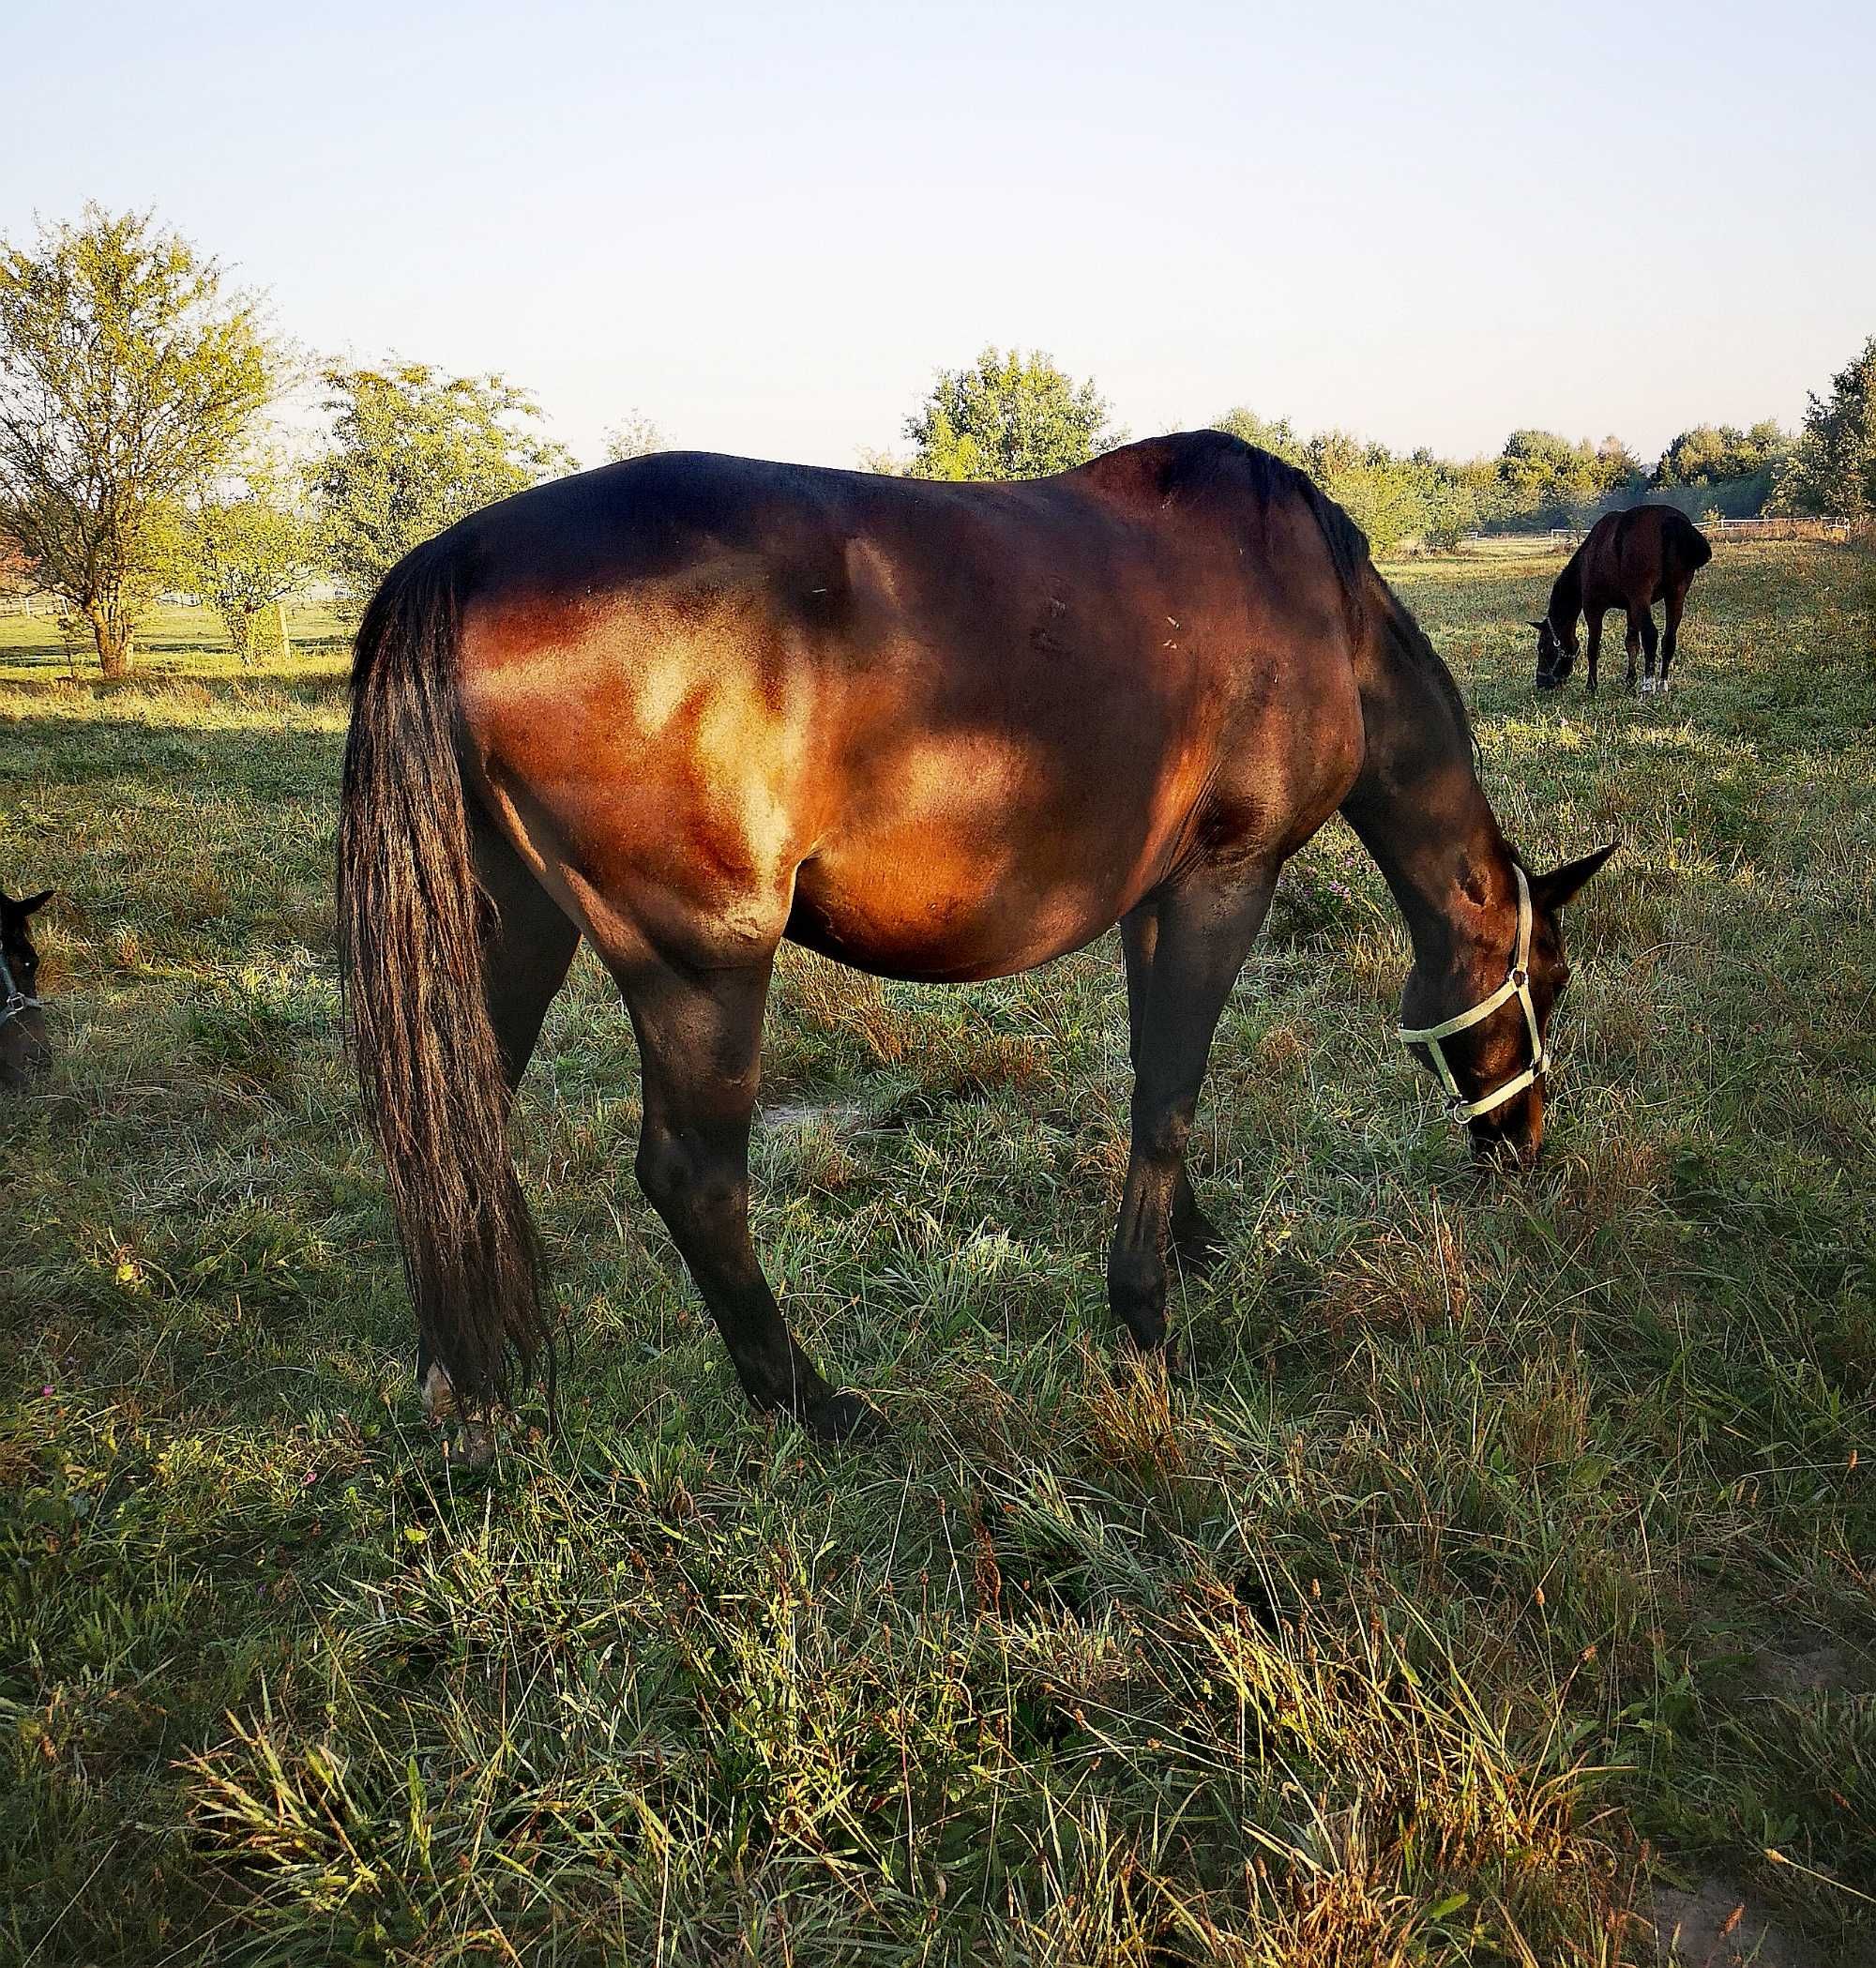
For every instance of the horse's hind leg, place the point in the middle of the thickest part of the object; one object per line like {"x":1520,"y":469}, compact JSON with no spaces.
{"x":1193,"y":1235}
{"x":700,"y":1044}
{"x":1671,"y":635}
{"x":1634,"y":641}
{"x":1649,"y":644}
{"x":1201,"y":933}
{"x":527,"y":945}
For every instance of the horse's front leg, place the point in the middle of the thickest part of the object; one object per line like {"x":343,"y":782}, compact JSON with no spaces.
{"x":700,"y":1045}
{"x":1201,"y":933}
{"x":1194,"y":1237}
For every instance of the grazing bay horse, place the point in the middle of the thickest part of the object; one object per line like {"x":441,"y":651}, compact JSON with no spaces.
{"x":691,"y":705}
{"x":1630,"y":561}
{"x":24,"y":1048}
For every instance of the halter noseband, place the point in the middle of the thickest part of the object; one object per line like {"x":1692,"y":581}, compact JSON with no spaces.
{"x":15,"y":1000}
{"x":1517,"y":985}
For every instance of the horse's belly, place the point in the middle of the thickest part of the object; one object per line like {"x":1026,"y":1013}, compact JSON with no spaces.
{"x":928,"y":910}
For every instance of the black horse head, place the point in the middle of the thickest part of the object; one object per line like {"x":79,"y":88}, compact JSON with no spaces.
{"x":1556,"y":655}
{"x":23,"y":1047}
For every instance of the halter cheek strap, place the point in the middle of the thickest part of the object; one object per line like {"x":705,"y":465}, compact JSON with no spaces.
{"x":14,"y":1000}
{"x":1518,"y":985}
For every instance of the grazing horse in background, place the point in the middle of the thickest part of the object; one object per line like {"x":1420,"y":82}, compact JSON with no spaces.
{"x":691,"y":705}
{"x":1630,"y":561}
{"x":24,"y":1048}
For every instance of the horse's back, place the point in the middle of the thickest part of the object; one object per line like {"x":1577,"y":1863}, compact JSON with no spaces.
{"x":1636,"y":556}
{"x":940,"y":729}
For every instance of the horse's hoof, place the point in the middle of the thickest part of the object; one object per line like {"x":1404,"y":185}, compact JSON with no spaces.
{"x":1158,"y":1362}
{"x":844,"y":1418}
{"x":476,"y":1447}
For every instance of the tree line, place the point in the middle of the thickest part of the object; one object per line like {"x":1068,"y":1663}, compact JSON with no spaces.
{"x":141,"y":451}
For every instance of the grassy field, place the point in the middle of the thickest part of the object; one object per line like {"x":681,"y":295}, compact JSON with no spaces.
{"x":1494,"y":1572}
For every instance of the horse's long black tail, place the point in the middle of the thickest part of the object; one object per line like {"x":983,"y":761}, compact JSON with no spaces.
{"x":410,"y":940}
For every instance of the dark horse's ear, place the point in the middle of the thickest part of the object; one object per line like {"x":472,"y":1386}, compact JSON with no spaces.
{"x":1551,"y":891}
{"x":1538,"y":623}
{"x":36,"y":901}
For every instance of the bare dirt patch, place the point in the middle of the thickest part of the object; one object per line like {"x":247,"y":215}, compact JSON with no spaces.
{"x":1715,"y":1926}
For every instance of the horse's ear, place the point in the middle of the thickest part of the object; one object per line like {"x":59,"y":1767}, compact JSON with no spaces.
{"x":36,"y":901}
{"x":1551,"y":891}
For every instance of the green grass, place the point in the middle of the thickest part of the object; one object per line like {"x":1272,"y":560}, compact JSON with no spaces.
{"x":1495,"y":1554}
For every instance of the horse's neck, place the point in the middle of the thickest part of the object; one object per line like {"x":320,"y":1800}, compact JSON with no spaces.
{"x":1566,"y":594}
{"x":1419,"y":810}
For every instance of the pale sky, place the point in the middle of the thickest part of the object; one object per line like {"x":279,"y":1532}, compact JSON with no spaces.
{"x":766,"y":226}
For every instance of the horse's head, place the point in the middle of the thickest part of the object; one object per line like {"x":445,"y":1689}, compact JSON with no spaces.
{"x":23,"y":1046}
{"x":1484,"y":1029}
{"x":1557,"y":654}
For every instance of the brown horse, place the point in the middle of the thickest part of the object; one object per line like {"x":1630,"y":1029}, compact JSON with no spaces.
{"x":691,"y":705}
{"x":1630,"y":561}
{"x":24,"y":1048}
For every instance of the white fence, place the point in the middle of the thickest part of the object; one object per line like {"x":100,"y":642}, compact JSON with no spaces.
{"x":1826,"y":528}
{"x":1781,"y":529}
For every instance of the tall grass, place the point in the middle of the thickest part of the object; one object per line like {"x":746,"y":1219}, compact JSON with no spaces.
{"x":1492,"y":1556}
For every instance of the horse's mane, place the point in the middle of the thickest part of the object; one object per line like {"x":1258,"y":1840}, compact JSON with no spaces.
{"x":1363,"y":588}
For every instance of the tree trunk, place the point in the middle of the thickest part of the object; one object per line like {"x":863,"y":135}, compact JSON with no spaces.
{"x":114,"y":637}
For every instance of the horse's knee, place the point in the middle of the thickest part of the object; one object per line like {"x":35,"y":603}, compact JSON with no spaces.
{"x":1160,"y":1134}
{"x":694,"y":1193}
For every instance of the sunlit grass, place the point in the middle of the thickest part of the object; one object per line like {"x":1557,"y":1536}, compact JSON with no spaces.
{"x":1491,"y":1550}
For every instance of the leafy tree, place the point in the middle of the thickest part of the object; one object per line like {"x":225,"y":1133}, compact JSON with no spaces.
{"x":412,"y":452}
{"x":633,"y":437}
{"x":127,"y":371}
{"x":1548,"y":479}
{"x":1709,"y":454}
{"x":1011,"y":415}
{"x":1832,"y":467}
{"x":243,"y":551}
{"x":18,"y":578}
{"x":1268,"y":434}
{"x":1451,"y":510}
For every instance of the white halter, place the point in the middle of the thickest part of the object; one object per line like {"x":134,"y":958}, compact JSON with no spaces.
{"x":12,"y":999}
{"x":1518,"y":985}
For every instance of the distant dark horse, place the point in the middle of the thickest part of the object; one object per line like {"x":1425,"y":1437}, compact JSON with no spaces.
{"x":691,"y":705}
{"x":1630,"y":561}
{"x":23,"y":1047}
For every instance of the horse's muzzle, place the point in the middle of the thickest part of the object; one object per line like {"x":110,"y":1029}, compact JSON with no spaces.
{"x":25,"y":1054}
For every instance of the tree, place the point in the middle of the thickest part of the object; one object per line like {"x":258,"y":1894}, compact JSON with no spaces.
{"x":633,"y":437}
{"x":1548,"y":477}
{"x":127,"y":371}
{"x":18,"y":579}
{"x":413,"y":451}
{"x":1832,"y":467}
{"x":1011,"y":415}
{"x":242,"y":551}
{"x":1709,"y":454}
